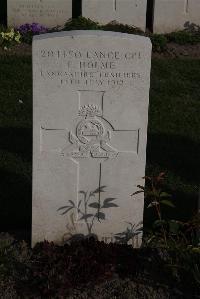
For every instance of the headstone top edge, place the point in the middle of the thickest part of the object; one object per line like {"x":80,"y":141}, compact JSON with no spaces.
{"x":97,"y":33}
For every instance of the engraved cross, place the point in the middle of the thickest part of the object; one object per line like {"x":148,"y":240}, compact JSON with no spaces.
{"x":115,"y":4}
{"x":91,"y":142}
{"x":186,"y":6}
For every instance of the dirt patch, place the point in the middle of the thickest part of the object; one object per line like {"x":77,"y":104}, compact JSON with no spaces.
{"x":90,"y":269}
{"x":20,"y":49}
{"x":180,"y":51}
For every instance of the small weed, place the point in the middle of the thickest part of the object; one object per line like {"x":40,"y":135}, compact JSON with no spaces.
{"x":27,"y":31}
{"x":155,"y":198}
{"x":9,"y":37}
{"x":159,"y":42}
{"x":184,"y":37}
{"x":81,"y":23}
{"x":118,"y":27}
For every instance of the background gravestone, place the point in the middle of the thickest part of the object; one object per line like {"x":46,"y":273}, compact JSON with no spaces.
{"x":90,"y":110}
{"x":173,"y":15}
{"x":3,"y":12}
{"x":50,"y":13}
{"x":131,"y":12}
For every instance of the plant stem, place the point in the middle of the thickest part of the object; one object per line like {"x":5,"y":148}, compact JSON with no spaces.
{"x":160,"y":218}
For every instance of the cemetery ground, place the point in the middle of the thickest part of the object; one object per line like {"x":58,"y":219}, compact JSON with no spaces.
{"x":91,"y":269}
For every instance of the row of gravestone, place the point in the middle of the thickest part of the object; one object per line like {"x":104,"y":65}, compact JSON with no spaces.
{"x":166,"y":15}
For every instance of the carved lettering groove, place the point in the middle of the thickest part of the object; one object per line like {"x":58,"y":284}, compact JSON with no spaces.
{"x":38,"y":10}
{"x":91,"y":68}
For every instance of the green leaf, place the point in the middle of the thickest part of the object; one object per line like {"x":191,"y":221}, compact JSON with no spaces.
{"x":95,"y":205}
{"x":109,"y":205}
{"x":86,"y":216}
{"x":174,"y":226}
{"x":159,"y":223}
{"x":165,"y":194}
{"x":100,"y":215}
{"x":153,"y":194}
{"x":167,"y":203}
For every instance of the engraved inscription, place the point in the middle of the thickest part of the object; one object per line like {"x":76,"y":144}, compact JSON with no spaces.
{"x":46,"y":10}
{"x":91,"y":68}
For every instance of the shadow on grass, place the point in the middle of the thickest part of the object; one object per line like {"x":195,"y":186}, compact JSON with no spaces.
{"x":179,"y":158}
{"x":177,"y":154}
{"x":15,"y":181}
{"x":185,"y":208}
{"x":15,"y":203}
{"x":18,"y":141}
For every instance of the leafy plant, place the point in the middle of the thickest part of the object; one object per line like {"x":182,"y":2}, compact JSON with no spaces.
{"x":129,"y":233}
{"x":184,"y":37}
{"x":89,"y":200}
{"x":184,"y":263}
{"x":172,"y":233}
{"x":81,"y":23}
{"x":191,"y":230}
{"x":9,"y":37}
{"x":115,"y":26}
{"x":159,"y":42}
{"x":155,"y":198}
{"x":27,"y":31}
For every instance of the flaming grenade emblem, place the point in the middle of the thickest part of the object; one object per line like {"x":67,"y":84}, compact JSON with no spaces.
{"x":91,"y":135}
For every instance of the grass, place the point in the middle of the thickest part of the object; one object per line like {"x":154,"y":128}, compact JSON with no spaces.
{"x":173,"y":135}
{"x":16,"y":142}
{"x":174,"y":127}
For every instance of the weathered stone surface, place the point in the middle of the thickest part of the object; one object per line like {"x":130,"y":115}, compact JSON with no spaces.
{"x":131,"y":12}
{"x":49,"y":13}
{"x":173,"y":15}
{"x":90,"y":115}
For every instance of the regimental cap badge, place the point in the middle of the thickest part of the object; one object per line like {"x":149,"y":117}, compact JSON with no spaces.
{"x":90,"y":110}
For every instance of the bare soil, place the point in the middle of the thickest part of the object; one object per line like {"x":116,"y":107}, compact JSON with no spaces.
{"x":180,"y":51}
{"x":20,"y":49}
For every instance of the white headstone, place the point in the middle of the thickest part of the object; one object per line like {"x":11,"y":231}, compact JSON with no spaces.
{"x":49,"y":13}
{"x":172,"y":15}
{"x":131,"y":12}
{"x":90,"y":111}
